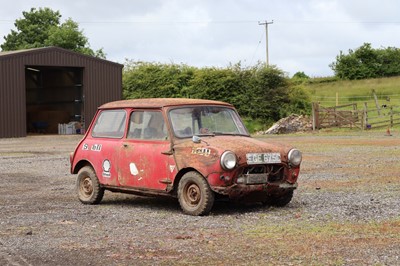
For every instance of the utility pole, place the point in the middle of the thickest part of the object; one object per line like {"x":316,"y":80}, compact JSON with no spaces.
{"x":266,"y":23}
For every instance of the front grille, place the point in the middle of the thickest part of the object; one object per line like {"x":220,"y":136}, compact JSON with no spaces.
{"x":262,"y":174}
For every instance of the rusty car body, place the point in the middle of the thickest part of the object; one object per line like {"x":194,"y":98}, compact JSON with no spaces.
{"x":195,"y":150}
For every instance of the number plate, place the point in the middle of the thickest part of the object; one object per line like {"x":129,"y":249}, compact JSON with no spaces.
{"x":262,"y":158}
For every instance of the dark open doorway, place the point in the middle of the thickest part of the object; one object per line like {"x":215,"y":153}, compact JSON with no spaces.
{"x":54,"y":95}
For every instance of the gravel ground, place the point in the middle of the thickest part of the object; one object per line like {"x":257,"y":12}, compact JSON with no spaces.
{"x":345,"y":212}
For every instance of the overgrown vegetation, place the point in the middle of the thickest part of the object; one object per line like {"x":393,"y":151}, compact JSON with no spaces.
{"x":366,"y":62}
{"x":261,"y":94}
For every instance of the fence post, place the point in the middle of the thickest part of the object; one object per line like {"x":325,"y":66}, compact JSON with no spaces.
{"x":365,"y":116}
{"x":355,"y":115}
{"x":315,"y":114}
{"x":376,"y":103}
{"x":391,"y":116}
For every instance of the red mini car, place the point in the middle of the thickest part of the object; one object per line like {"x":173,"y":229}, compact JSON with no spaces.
{"x":195,"y":150}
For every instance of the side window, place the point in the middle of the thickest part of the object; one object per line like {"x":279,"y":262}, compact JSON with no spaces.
{"x":110,"y":124}
{"x":147,"y":125}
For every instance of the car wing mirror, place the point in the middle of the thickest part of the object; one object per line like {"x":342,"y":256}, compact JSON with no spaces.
{"x":196,"y":139}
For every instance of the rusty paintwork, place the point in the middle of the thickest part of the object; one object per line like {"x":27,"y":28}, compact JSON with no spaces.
{"x":156,"y":166}
{"x":159,"y":103}
{"x":222,"y":181}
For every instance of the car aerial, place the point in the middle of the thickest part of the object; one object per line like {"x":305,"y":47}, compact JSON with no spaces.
{"x":196,"y":150}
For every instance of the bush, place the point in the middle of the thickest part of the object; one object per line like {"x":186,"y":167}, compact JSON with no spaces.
{"x":366,"y":62}
{"x":259,"y":93}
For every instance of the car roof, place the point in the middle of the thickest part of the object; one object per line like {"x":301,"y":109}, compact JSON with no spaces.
{"x":159,"y":103}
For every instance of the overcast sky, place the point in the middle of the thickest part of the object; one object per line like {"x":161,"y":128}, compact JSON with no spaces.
{"x":306,"y":35}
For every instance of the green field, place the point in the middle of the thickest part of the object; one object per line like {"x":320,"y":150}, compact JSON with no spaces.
{"x":359,"y":91}
{"x":337,"y":93}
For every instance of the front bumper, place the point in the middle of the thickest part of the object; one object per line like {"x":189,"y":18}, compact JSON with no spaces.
{"x":237,"y":191}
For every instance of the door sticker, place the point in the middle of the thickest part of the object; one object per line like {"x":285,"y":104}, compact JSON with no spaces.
{"x":172,"y":168}
{"x":96,"y":147}
{"x":106,"y":168}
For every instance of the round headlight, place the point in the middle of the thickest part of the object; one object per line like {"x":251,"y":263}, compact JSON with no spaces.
{"x":228,"y":160}
{"x":294,"y":157}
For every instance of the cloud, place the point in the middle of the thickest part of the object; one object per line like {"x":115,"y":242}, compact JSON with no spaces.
{"x":306,"y":34}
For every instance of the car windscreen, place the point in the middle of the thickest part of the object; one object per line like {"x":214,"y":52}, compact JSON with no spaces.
{"x":206,"y":120}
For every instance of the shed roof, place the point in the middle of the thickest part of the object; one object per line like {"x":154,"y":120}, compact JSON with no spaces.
{"x":159,"y":103}
{"x":24,"y":52}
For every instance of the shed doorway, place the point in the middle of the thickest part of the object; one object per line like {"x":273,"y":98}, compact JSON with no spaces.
{"x":54,"y":95}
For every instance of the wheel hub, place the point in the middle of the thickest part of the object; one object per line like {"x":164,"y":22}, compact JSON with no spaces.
{"x":87,"y":187}
{"x":193,"y":194}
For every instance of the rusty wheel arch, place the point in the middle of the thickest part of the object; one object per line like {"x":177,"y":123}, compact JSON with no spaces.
{"x":179,"y":176}
{"x":80,"y":165}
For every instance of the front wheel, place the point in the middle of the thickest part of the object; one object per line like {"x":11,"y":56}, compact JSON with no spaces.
{"x":194,"y":194}
{"x":279,"y":201}
{"x":88,"y":186}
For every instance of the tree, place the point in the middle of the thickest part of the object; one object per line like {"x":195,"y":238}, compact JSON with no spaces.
{"x":41,"y":27}
{"x":300,"y":75}
{"x":366,"y":62}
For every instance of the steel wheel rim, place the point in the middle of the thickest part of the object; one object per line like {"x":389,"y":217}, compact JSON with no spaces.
{"x":86,"y":187}
{"x":192,"y":195}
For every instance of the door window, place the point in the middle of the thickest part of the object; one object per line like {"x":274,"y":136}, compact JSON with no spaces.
{"x":147,"y":125}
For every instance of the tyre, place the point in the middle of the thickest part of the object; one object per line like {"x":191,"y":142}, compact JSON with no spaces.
{"x":194,"y":194}
{"x":279,"y":201}
{"x":88,"y":186}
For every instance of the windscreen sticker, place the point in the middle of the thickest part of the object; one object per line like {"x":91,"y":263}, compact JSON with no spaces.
{"x":133,"y":169}
{"x":106,"y":168}
{"x":201,"y":151}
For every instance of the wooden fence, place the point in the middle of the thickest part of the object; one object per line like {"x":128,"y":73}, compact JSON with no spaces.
{"x":351,"y":115}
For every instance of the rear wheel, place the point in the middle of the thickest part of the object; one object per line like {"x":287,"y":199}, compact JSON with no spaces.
{"x":279,"y":201}
{"x":194,"y":194}
{"x":88,"y":186}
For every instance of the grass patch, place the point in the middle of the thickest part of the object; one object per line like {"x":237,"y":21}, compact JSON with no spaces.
{"x":356,"y":91}
{"x":352,"y":184}
{"x":325,"y":244}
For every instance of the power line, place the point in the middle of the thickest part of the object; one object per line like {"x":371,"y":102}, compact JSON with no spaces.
{"x":255,"y":51}
{"x":220,"y":22}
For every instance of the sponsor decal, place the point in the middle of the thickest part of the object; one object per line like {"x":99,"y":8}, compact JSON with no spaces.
{"x":85,"y":147}
{"x":96,"y":147}
{"x":106,"y":168}
{"x":201,"y":151}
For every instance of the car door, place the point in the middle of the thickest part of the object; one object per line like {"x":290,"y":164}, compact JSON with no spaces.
{"x":99,"y":147}
{"x":145,"y":160}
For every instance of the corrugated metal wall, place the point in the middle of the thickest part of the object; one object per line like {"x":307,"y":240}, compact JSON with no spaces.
{"x":102,"y":82}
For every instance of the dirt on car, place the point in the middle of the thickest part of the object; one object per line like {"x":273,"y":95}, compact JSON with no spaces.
{"x":346,"y":211}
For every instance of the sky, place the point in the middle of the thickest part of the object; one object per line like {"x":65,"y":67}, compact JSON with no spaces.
{"x":304,"y":35}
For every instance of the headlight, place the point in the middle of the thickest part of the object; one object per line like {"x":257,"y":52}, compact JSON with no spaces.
{"x":294,"y":157}
{"x":228,"y":160}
